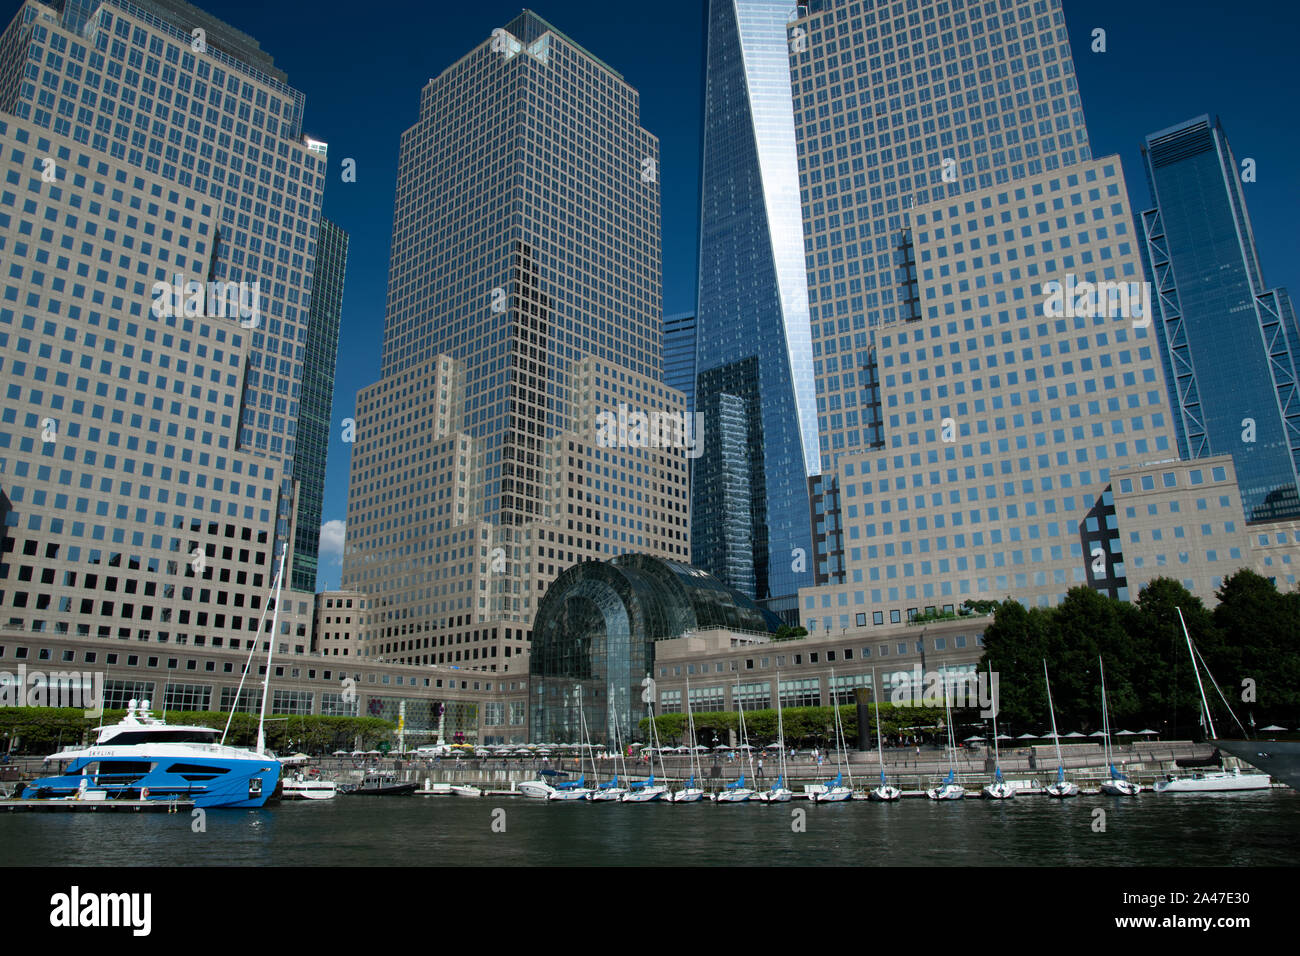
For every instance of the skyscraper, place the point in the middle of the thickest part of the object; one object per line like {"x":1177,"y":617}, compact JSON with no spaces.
{"x":753,"y":306}
{"x":679,"y":354}
{"x":175,"y":135}
{"x":969,"y":418}
{"x":524,"y":302}
{"x":324,"y":318}
{"x":1230,"y":342}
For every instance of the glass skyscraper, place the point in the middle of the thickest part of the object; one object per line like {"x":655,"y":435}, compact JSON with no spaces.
{"x":753,"y":302}
{"x":318,"y":399}
{"x":1230,"y":343}
{"x":166,"y":148}
{"x":524,"y":302}
{"x":128,"y":80}
{"x":968,"y":427}
{"x":679,"y":354}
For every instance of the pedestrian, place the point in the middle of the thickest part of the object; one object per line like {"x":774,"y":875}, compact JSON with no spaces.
{"x":760,"y":767}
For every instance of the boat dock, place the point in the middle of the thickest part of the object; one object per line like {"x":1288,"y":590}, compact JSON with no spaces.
{"x":96,"y":806}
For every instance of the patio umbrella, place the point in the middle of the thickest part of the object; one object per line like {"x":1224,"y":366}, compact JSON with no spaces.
{"x":1005,"y":737}
{"x":1027,"y":737}
{"x":1098,"y":733}
{"x":970,"y":739}
{"x":1126,"y":733}
{"x":1073,"y":733}
{"x":1272,"y":727}
{"x":1153,"y":733}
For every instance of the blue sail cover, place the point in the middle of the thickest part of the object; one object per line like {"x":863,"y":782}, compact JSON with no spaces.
{"x":883,"y":781}
{"x":1115,"y":774}
{"x":571,"y":784}
{"x":832,"y":784}
{"x":997,"y":773}
{"x":611,"y":785}
{"x":738,"y":784}
{"x":1060,"y":775}
{"x":950,"y":778}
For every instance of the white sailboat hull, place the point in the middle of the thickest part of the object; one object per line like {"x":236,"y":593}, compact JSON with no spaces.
{"x":688,"y":795}
{"x":1062,"y":789}
{"x":612,"y":795}
{"x":735,"y":796}
{"x":779,"y":795}
{"x":886,"y":794}
{"x":1120,"y":788}
{"x":645,"y":795}
{"x":833,"y":795}
{"x":1218,"y":782}
{"x":949,"y":791}
{"x":998,"y":791}
{"x":581,"y":793}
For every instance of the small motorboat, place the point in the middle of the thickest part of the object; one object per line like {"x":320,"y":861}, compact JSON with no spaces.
{"x":381,"y":783}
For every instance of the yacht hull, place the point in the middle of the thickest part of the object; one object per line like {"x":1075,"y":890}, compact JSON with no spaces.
{"x":1280,"y":759}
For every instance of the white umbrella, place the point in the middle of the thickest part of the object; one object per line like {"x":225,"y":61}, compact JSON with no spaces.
{"x":1027,"y":737}
{"x":1005,"y":737}
{"x":969,"y":739}
{"x":1098,"y":733}
{"x":1154,"y":733}
{"x":1073,"y":733}
{"x":1126,"y":733}
{"x":1272,"y":727}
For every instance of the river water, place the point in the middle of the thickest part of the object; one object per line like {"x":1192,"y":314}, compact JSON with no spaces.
{"x":1249,"y":829}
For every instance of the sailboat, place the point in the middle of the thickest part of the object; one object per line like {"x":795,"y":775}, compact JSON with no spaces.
{"x":612,"y":791}
{"x":648,"y":790}
{"x":999,"y":789}
{"x":690,"y":793}
{"x":1212,"y":781}
{"x":736,"y":791}
{"x":574,"y":789}
{"x":1118,"y":785}
{"x":779,"y":793}
{"x":835,"y":791}
{"x":885,"y":793}
{"x":1061,"y":788}
{"x":950,"y":789}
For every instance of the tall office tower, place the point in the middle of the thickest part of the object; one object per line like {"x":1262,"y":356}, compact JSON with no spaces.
{"x":163,"y":96}
{"x":1230,"y":342}
{"x":968,"y":426}
{"x":165,"y":87}
{"x":524,"y":292}
{"x":319,"y":362}
{"x":753,"y":306}
{"x":679,"y":354}
{"x":132,"y":513}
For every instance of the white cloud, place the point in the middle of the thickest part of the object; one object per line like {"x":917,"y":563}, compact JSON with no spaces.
{"x":331,"y":540}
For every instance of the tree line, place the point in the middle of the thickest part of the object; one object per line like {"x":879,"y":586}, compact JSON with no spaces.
{"x":1250,"y":643}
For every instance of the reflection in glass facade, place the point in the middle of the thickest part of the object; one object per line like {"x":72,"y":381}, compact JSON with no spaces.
{"x":753,"y":300}
{"x":594,"y":635}
{"x":679,"y":355}
{"x":317,"y":399}
{"x":728,"y":536}
{"x":1229,"y":342}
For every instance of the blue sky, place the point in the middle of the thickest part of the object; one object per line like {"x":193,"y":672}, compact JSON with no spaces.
{"x":362,"y":69}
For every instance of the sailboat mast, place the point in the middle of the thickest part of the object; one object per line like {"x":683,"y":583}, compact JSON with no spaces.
{"x":275,"y":634}
{"x":997,"y":760}
{"x":1105,"y":714}
{"x":1060,"y":762}
{"x":880,"y":747}
{"x":1205,"y":704}
{"x":780,"y":726}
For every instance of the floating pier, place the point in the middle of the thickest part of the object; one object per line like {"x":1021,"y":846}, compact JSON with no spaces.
{"x":96,"y":806}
